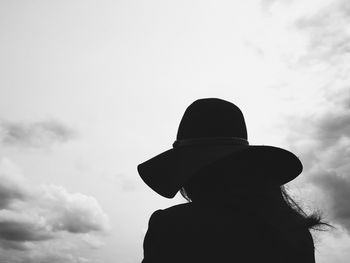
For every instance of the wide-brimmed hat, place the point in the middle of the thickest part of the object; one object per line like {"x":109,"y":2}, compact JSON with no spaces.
{"x":212,"y":130}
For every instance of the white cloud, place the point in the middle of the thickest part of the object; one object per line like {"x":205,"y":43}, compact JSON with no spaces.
{"x":37,"y":256}
{"x":328,"y":32}
{"x":322,"y":137}
{"x":75,"y":213}
{"x":17,"y":226}
{"x":12,"y":187}
{"x":34,"y":135}
{"x":33,"y":219}
{"x":323,"y":142}
{"x":124,"y":182}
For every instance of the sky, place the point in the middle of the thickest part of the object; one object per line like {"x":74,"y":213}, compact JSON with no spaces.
{"x":90,"y":89}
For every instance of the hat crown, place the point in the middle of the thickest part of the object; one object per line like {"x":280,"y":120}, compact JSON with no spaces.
{"x":206,"y":118}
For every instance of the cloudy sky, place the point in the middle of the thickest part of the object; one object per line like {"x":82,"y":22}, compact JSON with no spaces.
{"x":89,"y":89}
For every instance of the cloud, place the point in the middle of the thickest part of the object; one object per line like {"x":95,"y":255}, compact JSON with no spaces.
{"x":34,"y":135}
{"x":17,"y":226}
{"x":50,"y":255}
{"x":265,"y":4}
{"x":333,"y":127}
{"x":323,"y":142}
{"x":328,"y":33}
{"x":321,"y":135}
{"x":337,"y":189}
{"x":74,"y":213}
{"x":35,"y":217}
{"x":8,"y":245}
{"x":124,"y":183}
{"x":11,"y":187}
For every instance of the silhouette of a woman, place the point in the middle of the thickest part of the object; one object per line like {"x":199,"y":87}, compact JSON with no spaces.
{"x":238,"y":209}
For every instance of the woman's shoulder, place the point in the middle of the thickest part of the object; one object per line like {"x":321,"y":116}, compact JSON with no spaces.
{"x":171,"y":219}
{"x":172,"y":212}
{"x":186,"y":209}
{"x":199,"y":213}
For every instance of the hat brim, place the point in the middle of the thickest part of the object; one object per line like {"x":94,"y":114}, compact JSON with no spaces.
{"x":167,"y":172}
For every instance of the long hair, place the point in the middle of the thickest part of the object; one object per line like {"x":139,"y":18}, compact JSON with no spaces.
{"x":216,"y":182}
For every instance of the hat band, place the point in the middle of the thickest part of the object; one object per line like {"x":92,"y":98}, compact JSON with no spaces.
{"x":210,"y":140}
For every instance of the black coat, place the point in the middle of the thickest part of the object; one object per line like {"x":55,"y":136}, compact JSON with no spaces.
{"x":213,"y":232}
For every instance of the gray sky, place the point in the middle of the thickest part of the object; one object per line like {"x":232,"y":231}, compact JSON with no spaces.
{"x":89,"y":89}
